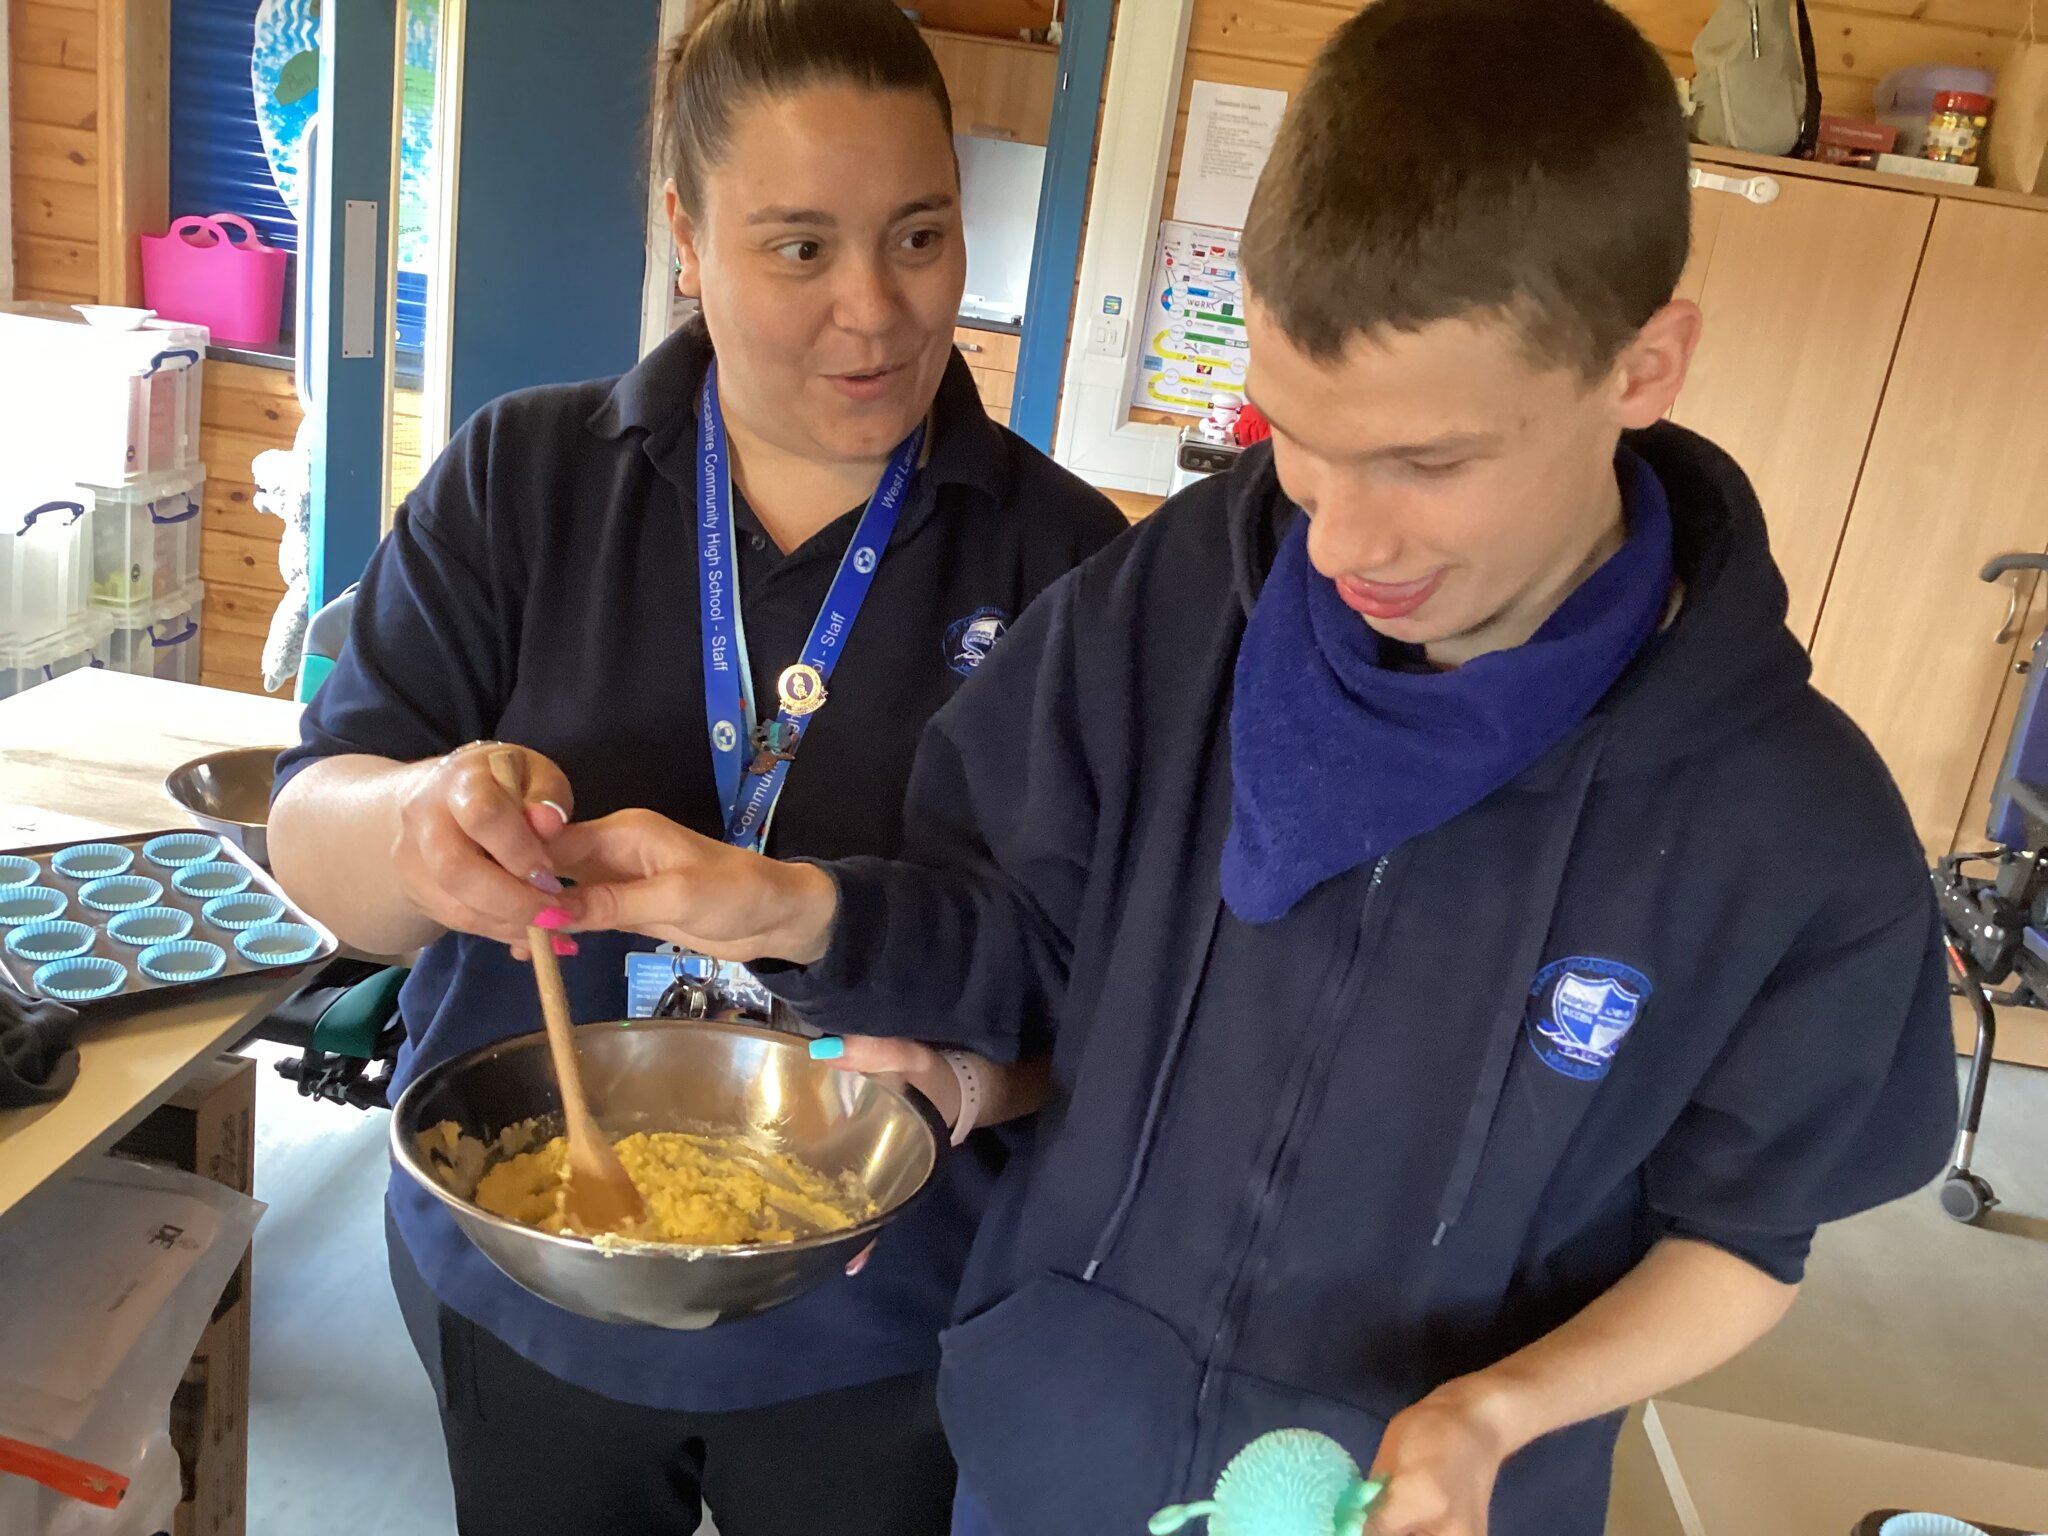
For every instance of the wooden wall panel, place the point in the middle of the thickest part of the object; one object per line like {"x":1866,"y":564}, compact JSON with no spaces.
{"x":49,"y":34}
{"x":52,"y":93}
{"x":60,"y":210}
{"x":246,"y":410}
{"x":53,"y":122}
{"x":990,"y":18}
{"x":67,"y":271}
{"x":56,"y":154}
{"x":135,"y":139}
{"x":1271,"y":42}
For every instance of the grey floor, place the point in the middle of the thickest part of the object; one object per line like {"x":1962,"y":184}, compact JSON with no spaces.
{"x":1911,"y":1329}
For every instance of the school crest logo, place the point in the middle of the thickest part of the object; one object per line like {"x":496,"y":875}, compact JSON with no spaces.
{"x":724,"y":736}
{"x":864,"y":560}
{"x":972,"y":637}
{"x":1580,"y":1011}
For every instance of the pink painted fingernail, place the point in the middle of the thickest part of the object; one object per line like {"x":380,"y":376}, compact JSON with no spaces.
{"x":552,"y":917}
{"x":545,"y":883}
{"x":564,"y":945}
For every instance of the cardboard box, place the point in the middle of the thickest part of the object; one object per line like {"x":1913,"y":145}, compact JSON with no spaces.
{"x":209,"y":1127}
{"x":210,"y":1426}
{"x":1929,"y":170}
{"x":1732,"y":1475}
{"x":1858,"y":133}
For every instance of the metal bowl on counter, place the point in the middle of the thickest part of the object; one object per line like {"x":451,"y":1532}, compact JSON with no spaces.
{"x":229,"y":793}
{"x":692,"y":1075}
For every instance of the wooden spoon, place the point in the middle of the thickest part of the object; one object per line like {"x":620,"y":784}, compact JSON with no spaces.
{"x":601,"y":1196}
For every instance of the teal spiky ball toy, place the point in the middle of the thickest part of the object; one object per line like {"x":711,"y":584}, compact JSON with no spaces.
{"x":1290,"y":1482}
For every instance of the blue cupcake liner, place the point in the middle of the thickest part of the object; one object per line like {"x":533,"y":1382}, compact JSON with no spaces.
{"x":245,"y":909}
{"x":17,"y":871}
{"x":31,"y":904}
{"x":277,"y":944}
{"x":81,"y":980}
{"x":220,"y":877}
{"x":51,"y":939}
{"x":121,"y":893}
{"x":174,"y":850}
{"x":144,"y":926}
{"x":182,"y":960}
{"x":92,"y":861}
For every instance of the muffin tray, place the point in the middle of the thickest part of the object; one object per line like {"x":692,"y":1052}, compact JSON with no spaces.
{"x":157,"y":915}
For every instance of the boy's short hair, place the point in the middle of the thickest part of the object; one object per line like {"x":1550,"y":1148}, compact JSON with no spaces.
{"x":1522,"y":158}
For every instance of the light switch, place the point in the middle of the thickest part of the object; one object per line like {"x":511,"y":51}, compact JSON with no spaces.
{"x":1108,"y":335}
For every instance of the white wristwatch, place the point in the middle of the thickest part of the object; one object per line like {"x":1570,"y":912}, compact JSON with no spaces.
{"x":967,"y":1073}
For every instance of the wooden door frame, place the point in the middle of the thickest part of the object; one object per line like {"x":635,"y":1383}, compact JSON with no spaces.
{"x":134,"y":131}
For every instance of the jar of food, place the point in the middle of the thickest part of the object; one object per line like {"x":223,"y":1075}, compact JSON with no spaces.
{"x":1956,"y":126}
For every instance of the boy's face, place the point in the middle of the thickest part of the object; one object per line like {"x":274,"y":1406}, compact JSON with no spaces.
{"x":1458,"y":491}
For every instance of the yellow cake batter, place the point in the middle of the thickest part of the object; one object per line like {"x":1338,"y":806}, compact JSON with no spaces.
{"x":700,"y":1191}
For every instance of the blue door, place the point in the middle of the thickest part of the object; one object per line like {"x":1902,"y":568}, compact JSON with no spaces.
{"x":514,"y":255}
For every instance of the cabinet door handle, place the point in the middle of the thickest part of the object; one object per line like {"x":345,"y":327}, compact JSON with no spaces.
{"x":1758,"y":189}
{"x":970,"y":346}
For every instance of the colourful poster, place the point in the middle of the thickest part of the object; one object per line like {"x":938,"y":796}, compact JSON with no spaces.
{"x":1193,"y":329}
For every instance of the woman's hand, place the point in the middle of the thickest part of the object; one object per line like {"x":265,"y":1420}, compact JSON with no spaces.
{"x":468,"y":855}
{"x":639,"y":872}
{"x":1439,"y":1460}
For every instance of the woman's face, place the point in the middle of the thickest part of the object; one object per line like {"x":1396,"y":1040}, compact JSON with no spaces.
{"x":829,"y":260}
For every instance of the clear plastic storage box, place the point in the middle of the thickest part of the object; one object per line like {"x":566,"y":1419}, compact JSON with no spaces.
{"x":24,"y":664}
{"x":145,"y":538}
{"x":45,"y":556}
{"x":160,"y":641}
{"x":101,"y":404}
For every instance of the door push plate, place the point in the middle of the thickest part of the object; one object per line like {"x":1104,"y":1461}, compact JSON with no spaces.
{"x":359,"y":277}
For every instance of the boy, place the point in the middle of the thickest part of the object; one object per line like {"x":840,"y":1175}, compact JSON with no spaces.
{"x":1473,"y":958}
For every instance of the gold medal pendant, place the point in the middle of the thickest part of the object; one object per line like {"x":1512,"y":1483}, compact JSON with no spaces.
{"x":801,"y":688}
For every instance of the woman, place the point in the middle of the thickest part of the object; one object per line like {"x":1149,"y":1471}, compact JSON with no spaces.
{"x":564,"y":580}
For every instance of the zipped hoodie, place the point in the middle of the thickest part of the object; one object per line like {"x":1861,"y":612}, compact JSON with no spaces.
{"x":1679,"y":979}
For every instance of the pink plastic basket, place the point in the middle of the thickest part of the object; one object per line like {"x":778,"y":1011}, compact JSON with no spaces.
{"x":199,"y":273}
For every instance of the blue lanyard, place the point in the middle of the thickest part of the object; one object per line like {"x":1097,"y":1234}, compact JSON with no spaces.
{"x":751,"y":762}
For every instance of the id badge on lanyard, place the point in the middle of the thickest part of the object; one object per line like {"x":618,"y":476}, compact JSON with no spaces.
{"x":750,"y":758}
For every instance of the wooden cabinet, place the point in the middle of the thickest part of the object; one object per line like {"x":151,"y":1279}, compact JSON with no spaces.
{"x":1957,"y":472}
{"x":1000,"y":89}
{"x":1875,"y":355}
{"x":992,"y":355}
{"x":1803,"y":298}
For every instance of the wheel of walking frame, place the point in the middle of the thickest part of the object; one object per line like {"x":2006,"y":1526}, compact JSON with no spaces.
{"x":1966,"y":1197}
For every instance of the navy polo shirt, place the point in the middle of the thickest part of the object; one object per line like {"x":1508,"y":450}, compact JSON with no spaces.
{"x":540,"y":587}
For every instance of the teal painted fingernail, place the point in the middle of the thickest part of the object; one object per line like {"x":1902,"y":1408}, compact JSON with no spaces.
{"x":830,"y":1048}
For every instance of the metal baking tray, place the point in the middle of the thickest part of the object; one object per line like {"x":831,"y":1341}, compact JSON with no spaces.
{"x":139,"y":987}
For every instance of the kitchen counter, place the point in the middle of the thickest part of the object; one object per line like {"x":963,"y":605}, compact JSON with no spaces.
{"x":1000,"y":327}
{"x":86,"y":755}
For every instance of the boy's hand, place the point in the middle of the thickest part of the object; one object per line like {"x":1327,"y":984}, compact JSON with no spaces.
{"x":639,"y":872}
{"x":1439,"y":1460}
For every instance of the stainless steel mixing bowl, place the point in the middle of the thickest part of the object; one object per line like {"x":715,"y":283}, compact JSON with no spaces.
{"x":229,"y":793}
{"x":676,"y":1075}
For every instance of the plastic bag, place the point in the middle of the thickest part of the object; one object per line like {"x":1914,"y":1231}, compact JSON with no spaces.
{"x":111,"y":1276}
{"x":2018,"y":151}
